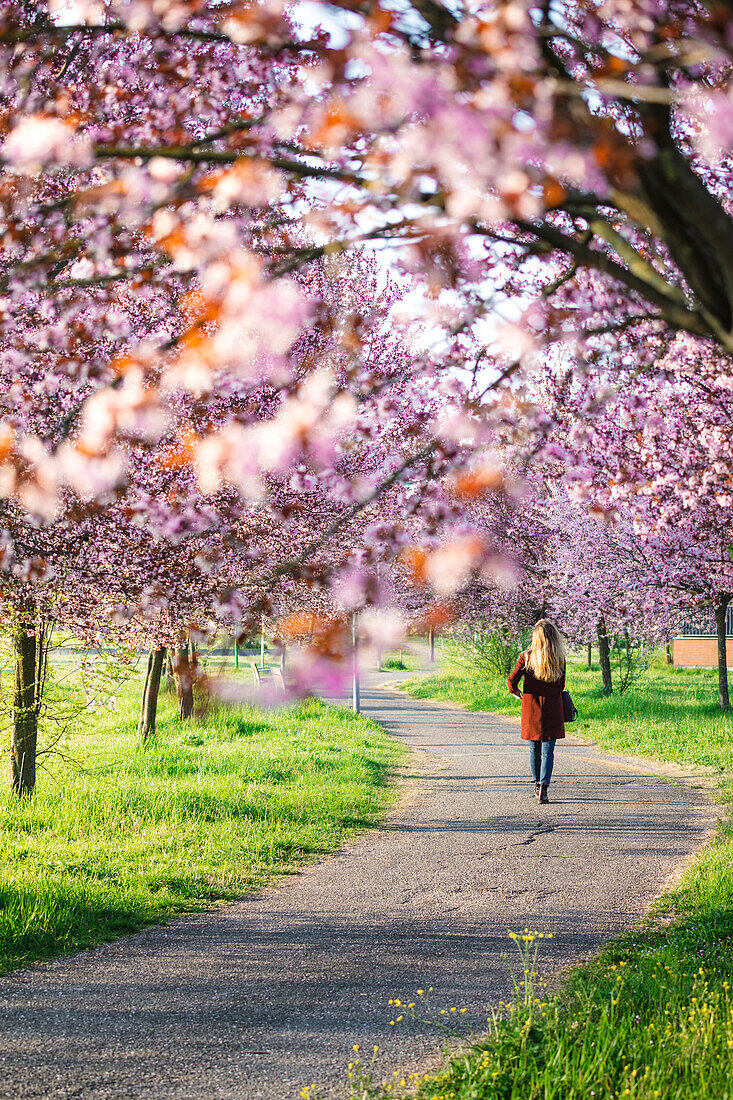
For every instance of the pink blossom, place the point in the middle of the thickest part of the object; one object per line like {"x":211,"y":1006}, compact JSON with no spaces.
{"x":39,"y":140}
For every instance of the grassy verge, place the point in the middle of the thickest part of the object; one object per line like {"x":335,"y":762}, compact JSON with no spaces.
{"x":652,"y":1016}
{"x":119,"y":835}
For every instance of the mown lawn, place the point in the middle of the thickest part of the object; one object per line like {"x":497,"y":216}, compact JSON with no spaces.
{"x":119,"y":834}
{"x":652,"y":1016}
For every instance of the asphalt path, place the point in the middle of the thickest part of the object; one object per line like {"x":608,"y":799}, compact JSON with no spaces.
{"x":260,"y":998}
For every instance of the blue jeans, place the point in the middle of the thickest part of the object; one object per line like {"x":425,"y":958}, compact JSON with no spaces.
{"x":541,"y":759}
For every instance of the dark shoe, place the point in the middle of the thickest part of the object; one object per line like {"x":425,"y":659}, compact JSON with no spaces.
{"x":537,"y":789}
{"x":543,"y":793}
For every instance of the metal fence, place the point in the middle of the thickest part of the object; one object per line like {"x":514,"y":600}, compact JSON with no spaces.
{"x":703,"y":626}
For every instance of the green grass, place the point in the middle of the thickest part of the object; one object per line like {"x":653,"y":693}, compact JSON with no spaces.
{"x":123,"y":834}
{"x":400,"y":661}
{"x":651,"y":1017}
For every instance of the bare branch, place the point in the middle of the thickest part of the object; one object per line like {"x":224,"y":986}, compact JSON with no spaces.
{"x":621,"y":326}
{"x":192,"y":154}
{"x":681,"y":317}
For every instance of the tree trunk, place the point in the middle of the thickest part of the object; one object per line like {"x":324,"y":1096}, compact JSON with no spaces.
{"x":589,"y":655}
{"x":30,"y":652}
{"x":149,"y":704}
{"x":170,"y":680}
{"x":183,"y":669}
{"x":604,"y":657}
{"x":432,"y":646}
{"x":668,"y":653}
{"x":721,"y":609}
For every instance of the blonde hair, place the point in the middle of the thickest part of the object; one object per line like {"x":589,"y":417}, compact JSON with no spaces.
{"x":546,"y":654}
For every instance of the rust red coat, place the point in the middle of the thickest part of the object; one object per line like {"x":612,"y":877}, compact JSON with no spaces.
{"x":542,"y":717}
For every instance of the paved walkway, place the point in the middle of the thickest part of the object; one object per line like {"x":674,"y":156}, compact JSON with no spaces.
{"x":257,"y":999}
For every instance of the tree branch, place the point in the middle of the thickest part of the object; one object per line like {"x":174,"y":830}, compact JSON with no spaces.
{"x":677,"y":315}
{"x":621,"y":326}
{"x":191,"y":154}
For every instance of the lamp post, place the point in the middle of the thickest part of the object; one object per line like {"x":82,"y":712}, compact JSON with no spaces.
{"x":355,"y":685}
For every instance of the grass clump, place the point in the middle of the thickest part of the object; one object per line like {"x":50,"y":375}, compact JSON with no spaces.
{"x":120,"y":834}
{"x":401,"y":661}
{"x":651,"y":1018}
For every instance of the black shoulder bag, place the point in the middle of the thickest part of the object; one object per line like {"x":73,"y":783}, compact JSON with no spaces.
{"x":569,"y":710}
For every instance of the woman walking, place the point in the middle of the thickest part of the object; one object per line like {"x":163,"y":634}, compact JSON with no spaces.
{"x":542,"y":668}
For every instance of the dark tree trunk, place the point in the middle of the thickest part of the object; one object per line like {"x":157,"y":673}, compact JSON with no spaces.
{"x":432,"y":646}
{"x":170,"y":680}
{"x":589,"y":655}
{"x":692,"y":222}
{"x":668,"y":653}
{"x":149,"y":704}
{"x":183,"y":668}
{"x":721,"y":608}
{"x":604,"y":657}
{"x":30,"y":658}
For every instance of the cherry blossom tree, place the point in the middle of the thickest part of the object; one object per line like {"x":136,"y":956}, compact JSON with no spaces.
{"x":174,"y":176}
{"x":654,"y":458}
{"x":606,"y":580}
{"x":498,"y":151}
{"x":594,"y":574}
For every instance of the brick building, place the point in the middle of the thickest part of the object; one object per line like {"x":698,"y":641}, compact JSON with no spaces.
{"x":697,"y":646}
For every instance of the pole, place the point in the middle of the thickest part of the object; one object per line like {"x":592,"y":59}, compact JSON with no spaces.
{"x":236,"y":652}
{"x":356,"y":687}
{"x":262,"y":644}
{"x":379,"y":615}
{"x":379,"y":645}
